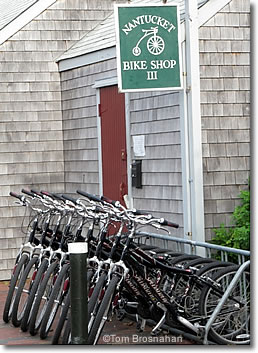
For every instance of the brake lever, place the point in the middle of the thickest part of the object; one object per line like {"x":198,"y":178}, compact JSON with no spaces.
{"x":19,"y":203}
{"x":158,"y":226}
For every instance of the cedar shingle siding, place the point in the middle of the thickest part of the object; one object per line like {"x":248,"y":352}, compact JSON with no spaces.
{"x":31,"y":136}
{"x":225,"y":108}
{"x":48,"y":125}
{"x":224,"y":70}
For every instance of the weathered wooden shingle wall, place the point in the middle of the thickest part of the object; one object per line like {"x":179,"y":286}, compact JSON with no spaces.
{"x":79,"y":107}
{"x":156,"y":116}
{"x":225,"y":98}
{"x":225,"y":91}
{"x":31,"y":137}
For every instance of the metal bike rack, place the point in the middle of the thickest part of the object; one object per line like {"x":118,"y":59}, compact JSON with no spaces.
{"x":243,"y":260}
{"x":190,"y":246}
{"x":223,"y":299}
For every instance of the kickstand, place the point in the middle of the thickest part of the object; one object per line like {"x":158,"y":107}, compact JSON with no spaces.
{"x":140,"y":325}
{"x":156,"y":330}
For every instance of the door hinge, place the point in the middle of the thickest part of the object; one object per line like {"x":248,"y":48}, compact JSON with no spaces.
{"x":100,"y":111}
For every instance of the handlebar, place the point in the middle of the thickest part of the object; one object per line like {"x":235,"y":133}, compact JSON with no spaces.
{"x":164,"y":222}
{"x":113,"y":209}
{"x":57,"y":197}
{"x":112,"y":202}
{"x":20,"y":197}
{"x":36,"y":193}
{"x":89,"y":196}
{"x":27,"y":192}
{"x":46,"y":193}
{"x":69,"y":198}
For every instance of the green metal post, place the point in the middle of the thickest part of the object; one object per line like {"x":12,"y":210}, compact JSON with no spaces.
{"x":78,"y":288}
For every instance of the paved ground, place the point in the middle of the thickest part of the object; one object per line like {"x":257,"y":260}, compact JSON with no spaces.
{"x":115,"y":333}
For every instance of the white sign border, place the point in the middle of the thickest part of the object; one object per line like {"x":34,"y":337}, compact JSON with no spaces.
{"x":118,"y":53}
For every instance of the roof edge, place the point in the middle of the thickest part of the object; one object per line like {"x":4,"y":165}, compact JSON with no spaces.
{"x":205,"y":13}
{"x":87,"y":59}
{"x":24,"y":18}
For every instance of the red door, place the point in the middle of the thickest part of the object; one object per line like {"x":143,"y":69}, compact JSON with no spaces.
{"x":113,"y":141}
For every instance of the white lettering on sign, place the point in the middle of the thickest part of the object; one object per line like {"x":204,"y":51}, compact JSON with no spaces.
{"x":154,"y":65}
{"x":162,"y":64}
{"x":135,"y":65}
{"x":152,"y":75}
{"x":143,"y":19}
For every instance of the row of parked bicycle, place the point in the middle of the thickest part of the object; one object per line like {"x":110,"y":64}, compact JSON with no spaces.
{"x":125,"y":277}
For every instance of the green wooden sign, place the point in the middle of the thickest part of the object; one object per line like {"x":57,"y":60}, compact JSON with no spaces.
{"x":148,"y":47}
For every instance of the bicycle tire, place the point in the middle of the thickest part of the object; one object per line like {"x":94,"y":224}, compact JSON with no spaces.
{"x":94,"y":297}
{"x":104,"y":307}
{"x":17,"y":273}
{"x":54,"y":302}
{"x":67,"y":331}
{"x":27,"y":313}
{"x":61,"y":322}
{"x":181,"y":259}
{"x":37,"y":312}
{"x":213,"y":267}
{"x":200,"y":261}
{"x":90,"y":274}
{"x":221,"y":331}
{"x":19,"y":305}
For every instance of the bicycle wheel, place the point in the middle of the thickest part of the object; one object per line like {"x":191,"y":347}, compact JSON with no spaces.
{"x":61,"y":322}
{"x":182,"y":282}
{"x":14,"y":283}
{"x":209,"y":270}
{"x":42,"y":298}
{"x":55,"y":300}
{"x":190,"y":289}
{"x":23,"y":292}
{"x":102,"y":313}
{"x":155,"y":45}
{"x":232,"y":323}
{"x":33,"y":292}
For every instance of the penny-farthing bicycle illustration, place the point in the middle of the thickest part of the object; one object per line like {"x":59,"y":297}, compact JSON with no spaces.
{"x":155,"y":44}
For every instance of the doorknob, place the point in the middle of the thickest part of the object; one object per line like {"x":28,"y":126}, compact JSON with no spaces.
{"x":123,"y":155}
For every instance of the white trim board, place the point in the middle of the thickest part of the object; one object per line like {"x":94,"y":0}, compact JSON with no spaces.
{"x":214,"y":6}
{"x":205,"y":13}
{"x":87,"y":59}
{"x":109,"y":81}
{"x":26,"y":17}
{"x":99,"y":143}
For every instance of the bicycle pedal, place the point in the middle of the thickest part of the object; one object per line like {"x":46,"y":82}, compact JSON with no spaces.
{"x":120,"y":315}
